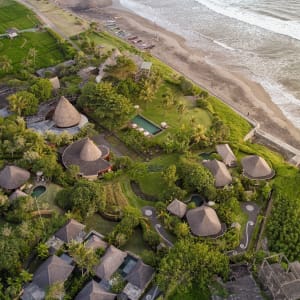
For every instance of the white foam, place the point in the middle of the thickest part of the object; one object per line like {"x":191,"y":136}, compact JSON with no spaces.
{"x":288,"y":28}
{"x":288,"y":103}
{"x":224,"y":45}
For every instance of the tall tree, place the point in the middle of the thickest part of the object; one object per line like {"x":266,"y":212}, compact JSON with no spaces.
{"x":23,"y":103}
{"x":5,"y":64}
{"x":42,"y":89}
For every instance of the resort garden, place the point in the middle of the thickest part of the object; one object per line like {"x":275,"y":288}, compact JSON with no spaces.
{"x":130,"y":204}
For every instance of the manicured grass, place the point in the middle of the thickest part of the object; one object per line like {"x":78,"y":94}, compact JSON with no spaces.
{"x":15,"y":15}
{"x":157,"y":112}
{"x":151,"y":184}
{"x":98,"y":223}
{"x":17,"y":49}
{"x":239,"y":127}
{"x":191,"y":294}
{"x":136,"y":243}
{"x":49,"y":195}
{"x":133,"y":199}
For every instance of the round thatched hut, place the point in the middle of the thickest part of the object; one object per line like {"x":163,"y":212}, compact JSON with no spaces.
{"x":92,"y":159}
{"x":255,"y":167}
{"x":12,"y":177}
{"x":204,"y":221}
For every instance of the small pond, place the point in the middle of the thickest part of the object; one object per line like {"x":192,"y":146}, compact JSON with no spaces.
{"x":38,"y":190}
{"x":197,"y":199}
{"x":206,"y":155}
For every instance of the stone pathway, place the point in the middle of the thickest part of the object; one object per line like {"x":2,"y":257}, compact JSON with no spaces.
{"x":150,"y":213}
{"x":252,"y":211}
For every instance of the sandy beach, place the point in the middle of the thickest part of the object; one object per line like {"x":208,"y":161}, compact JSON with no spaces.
{"x":233,"y":87}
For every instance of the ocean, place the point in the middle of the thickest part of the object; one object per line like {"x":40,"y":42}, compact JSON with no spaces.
{"x":260,"y":38}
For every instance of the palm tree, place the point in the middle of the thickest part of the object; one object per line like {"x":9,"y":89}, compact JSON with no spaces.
{"x":32,"y":53}
{"x":55,"y":292}
{"x":181,"y":107}
{"x":5,"y":63}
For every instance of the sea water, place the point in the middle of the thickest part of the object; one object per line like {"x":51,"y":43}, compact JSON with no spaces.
{"x":259,"y":37}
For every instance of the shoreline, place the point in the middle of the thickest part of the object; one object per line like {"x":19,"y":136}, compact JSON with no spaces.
{"x":232,"y":87}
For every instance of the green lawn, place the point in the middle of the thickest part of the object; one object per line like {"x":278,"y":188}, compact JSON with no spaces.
{"x":13,"y":14}
{"x":49,"y":195}
{"x":98,"y":223}
{"x":136,"y":244}
{"x":17,"y":49}
{"x":191,"y":293}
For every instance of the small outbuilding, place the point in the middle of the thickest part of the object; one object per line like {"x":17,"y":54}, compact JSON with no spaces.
{"x":110,"y":263}
{"x":55,"y":83}
{"x":227,"y":155}
{"x":219,"y":171}
{"x":93,"y":291}
{"x":204,"y":221}
{"x":17,"y":194}
{"x":95,"y":241}
{"x":12,"y":33}
{"x":12,"y":177}
{"x":92,"y":159}
{"x":255,"y":167}
{"x":177,"y":208}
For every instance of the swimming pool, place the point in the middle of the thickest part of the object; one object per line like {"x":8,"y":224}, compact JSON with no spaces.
{"x":197,"y":199}
{"x":146,"y":124}
{"x":37,"y":191}
{"x":207,"y":155}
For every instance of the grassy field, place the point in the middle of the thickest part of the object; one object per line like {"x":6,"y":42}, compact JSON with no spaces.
{"x":98,"y":223}
{"x":17,"y":49}
{"x":13,"y":14}
{"x":66,"y":22}
{"x":48,"y":197}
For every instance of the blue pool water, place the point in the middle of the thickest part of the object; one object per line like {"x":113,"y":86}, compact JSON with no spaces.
{"x":37,"y":191}
{"x":147,"y":125}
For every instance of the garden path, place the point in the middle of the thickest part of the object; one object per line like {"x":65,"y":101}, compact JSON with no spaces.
{"x":252,"y":211}
{"x":150,"y":213}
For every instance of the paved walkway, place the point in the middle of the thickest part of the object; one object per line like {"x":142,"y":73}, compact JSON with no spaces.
{"x":150,"y":213}
{"x":252,"y":210}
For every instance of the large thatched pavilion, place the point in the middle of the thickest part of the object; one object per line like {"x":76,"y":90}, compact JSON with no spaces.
{"x":219,"y":171}
{"x":255,"y":167}
{"x":12,"y":177}
{"x":57,"y":117}
{"x":91,"y":158}
{"x":204,"y":221}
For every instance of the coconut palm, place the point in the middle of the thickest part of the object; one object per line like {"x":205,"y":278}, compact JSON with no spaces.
{"x":5,"y":63}
{"x":32,"y":54}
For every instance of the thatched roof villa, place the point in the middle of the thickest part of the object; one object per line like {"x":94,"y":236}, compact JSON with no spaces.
{"x":93,"y":291}
{"x":138,"y":280}
{"x":51,"y":271}
{"x":91,"y":158}
{"x":204,"y":221}
{"x":219,"y":171}
{"x":12,"y":177}
{"x":227,"y":155}
{"x":255,"y":167}
{"x":110,"y":262}
{"x":57,"y":117}
{"x":177,"y":208}
{"x":72,"y":230}
{"x":95,"y":241}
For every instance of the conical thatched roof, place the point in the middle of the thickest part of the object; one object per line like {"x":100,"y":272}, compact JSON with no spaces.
{"x":93,"y":291}
{"x":12,"y":177}
{"x":89,"y":151}
{"x":203,"y":221}
{"x":219,"y":171}
{"x":65,"y":114}
{"x":227,"y":155}
{"x":110,"y":262}
{"x":16,"y":194}
{"x":90,"y":158}
{"x":177,"y":208}
{"x":255,"y":167}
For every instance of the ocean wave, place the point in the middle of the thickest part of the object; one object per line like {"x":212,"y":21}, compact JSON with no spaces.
{"x":288,"y":28}
{"x":223,"y":45}
{"x":288,"y":103}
